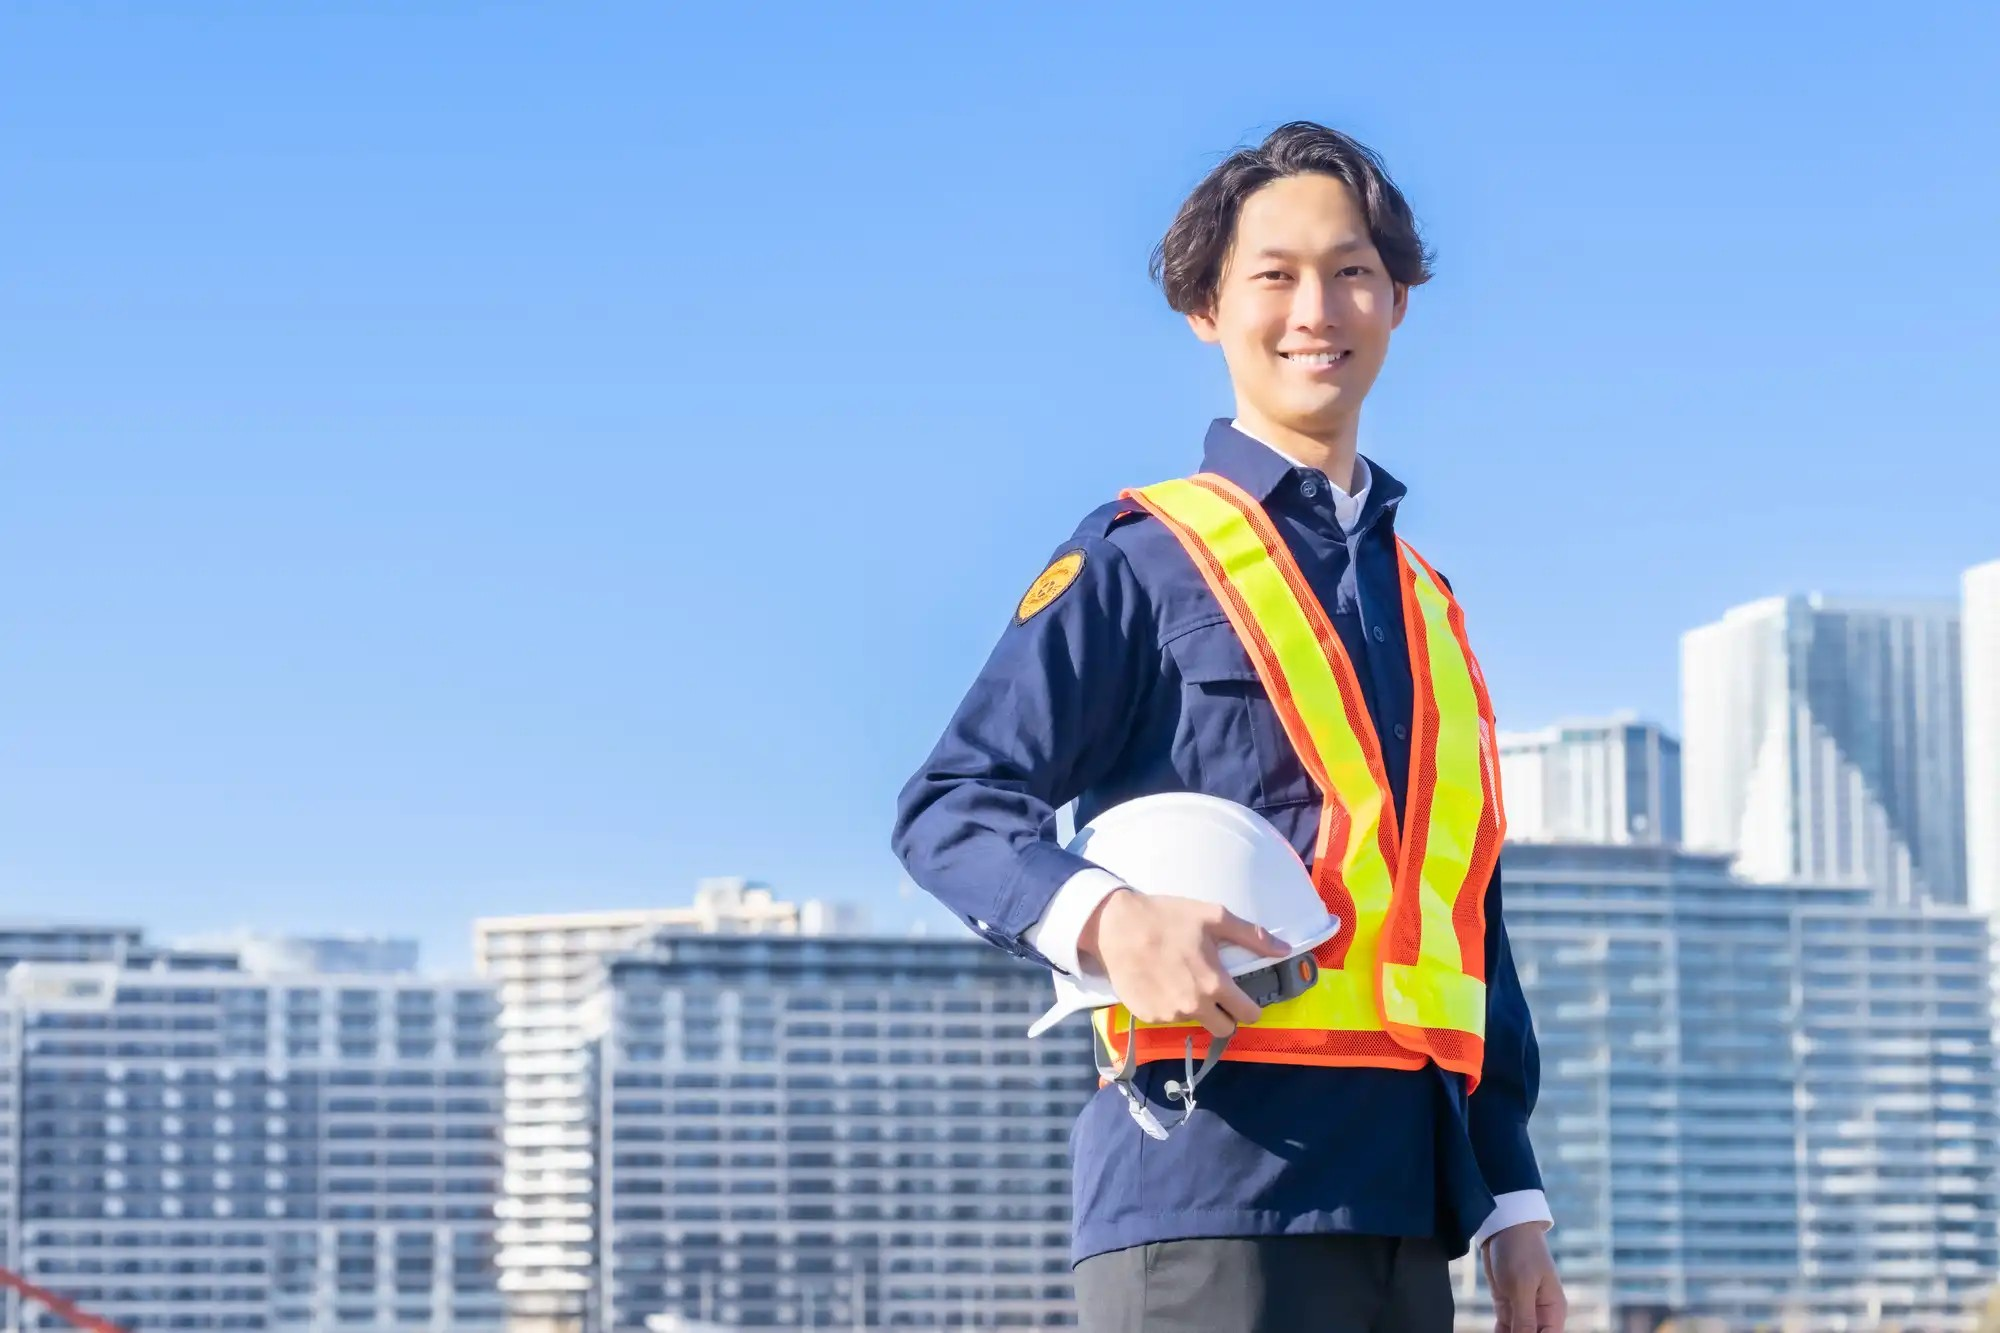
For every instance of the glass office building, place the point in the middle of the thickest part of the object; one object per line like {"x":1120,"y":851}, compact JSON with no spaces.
{"x":1764,"y":1105}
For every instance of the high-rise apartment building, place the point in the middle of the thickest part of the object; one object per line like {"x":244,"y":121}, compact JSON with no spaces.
{"x":1765,"y":1105}
{"x":54,"y":942}
{"x":260,"y":951}
{"x":1982,"y":734}
{"x":10,"y":1152}
{"x":1821,"y":741}
{"x":1609,"y":780}
{"x":834,"y":1132}
{"x":204,"y":1147}
{"x":547,"y":970}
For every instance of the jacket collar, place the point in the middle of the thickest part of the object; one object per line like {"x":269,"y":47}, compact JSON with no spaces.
{"x":1264,"y":473}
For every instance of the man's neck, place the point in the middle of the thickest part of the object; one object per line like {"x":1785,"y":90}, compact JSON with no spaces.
{"x":1333,"y":455}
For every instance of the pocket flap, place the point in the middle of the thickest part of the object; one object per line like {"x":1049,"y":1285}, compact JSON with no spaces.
{"x":1211,"y":654}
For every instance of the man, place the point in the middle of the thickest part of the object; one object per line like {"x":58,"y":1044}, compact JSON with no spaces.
{"x":1325,"y":1184}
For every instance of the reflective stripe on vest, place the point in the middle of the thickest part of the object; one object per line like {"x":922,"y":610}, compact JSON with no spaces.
{"x":1405,"y":978}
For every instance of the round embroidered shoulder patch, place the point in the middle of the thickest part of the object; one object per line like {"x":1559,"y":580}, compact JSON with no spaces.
{"x":1054,"y":581}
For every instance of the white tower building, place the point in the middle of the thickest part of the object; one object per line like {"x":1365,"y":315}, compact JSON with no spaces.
{"x":1822,"y":741}
{"x":1982,"y":734}
{"x":1609,"y":780}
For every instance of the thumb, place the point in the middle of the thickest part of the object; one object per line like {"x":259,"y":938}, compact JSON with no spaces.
{"x":1234,"y":929}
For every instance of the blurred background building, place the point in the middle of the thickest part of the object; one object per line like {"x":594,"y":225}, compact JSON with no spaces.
{"x":1611,"y":780}
{"x":260,"y":951}
{"x":546,"y":971}
{"x":1772,"y":1105}
{"x":206,"y":1146}
{"x":842,"y":1131}
{"x":1981,"y":632}
{"x":1822,"y":741}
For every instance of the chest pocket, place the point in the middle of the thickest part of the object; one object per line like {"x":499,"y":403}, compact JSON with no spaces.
{"x":1229,"y":741}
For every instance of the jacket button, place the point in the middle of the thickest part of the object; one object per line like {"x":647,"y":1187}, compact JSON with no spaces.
{"x":1379,"y":635}
{"x":1402,"y":732}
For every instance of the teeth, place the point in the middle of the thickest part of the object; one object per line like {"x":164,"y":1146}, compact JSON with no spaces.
{"x":1315,"y":358}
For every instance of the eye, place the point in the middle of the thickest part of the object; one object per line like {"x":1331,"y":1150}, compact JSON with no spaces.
{"x":1355,"y":271}
{"x":1271,"y":273}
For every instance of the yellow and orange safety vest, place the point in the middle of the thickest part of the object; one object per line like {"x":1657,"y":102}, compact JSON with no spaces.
{"x":1404,"y":980}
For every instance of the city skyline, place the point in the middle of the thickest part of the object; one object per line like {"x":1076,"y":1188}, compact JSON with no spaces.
{"x":1760,"y":1102}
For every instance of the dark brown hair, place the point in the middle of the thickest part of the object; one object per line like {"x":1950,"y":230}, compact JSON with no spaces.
{"x":1188,"y":261}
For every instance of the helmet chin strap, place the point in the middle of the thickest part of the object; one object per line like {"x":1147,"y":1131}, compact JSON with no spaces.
{"x":1184,"y":1092}
{"x":1176,"y":1089}
{"x":1267,"y":985}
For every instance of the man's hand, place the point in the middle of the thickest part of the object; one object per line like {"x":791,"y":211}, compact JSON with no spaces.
{"x":1160,"y":956}
{"x":1527,"y":1295}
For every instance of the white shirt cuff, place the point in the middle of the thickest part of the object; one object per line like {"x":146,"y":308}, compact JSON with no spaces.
{"x":1511,"y":1210}
{"x":1056,"y":934}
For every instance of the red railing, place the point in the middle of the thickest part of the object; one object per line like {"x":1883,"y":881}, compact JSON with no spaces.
{"x":76,"y":1317}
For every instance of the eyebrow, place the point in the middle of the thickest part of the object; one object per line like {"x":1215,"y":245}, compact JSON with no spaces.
{"x":1345,"y":247}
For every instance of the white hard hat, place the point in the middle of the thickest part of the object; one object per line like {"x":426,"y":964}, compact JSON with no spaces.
{"x":1187,"y":845}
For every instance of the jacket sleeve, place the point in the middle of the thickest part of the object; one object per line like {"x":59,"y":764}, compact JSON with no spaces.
{"x":1046,"y":717}
{"x":1509,"y":1082}
{"x":1510,"y":1076}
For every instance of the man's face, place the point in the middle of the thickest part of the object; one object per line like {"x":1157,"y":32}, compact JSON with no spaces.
{"x":1304,"y":308}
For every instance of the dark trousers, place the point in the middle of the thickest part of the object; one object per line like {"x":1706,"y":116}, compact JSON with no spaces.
{"x":1272,"y":1284}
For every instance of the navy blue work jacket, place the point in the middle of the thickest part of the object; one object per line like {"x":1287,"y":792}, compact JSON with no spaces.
{"x":1133,"y":682}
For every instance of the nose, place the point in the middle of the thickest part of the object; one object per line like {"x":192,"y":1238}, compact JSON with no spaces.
{"x":1315,"y":303}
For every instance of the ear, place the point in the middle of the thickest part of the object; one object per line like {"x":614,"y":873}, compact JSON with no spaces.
{"x":1402,"y":305}
{"x":1203,"y":324}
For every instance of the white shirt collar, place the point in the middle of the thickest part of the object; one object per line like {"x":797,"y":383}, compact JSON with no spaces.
{"x":1346,"y":508}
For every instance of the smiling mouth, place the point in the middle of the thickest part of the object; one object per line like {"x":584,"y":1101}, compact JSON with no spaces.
{"x":1316,"y":360}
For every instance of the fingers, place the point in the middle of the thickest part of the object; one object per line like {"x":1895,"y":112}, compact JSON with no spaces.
{"x":1521,"y":1308}
{"x":1227,"y":1012}
{"x":1223,"y":1005}
{"x":1221,"y":992}
{"x":1173,"y":972}
{"x":1234,"y":1003}
{"x":1551,"y":1307}
{"x":1218,"y":1023}
{"x":1206,"y":996}
{"x":1227,"y":927}
{"x":1527,"y":1294}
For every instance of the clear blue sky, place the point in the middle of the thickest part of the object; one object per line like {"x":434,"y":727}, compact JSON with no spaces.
{"x":465,"y":459}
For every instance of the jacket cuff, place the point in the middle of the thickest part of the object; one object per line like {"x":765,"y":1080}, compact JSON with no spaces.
{"x":1512,"y":1210}
{"x":1056,"y":934}
{"x":1040,"y":873}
